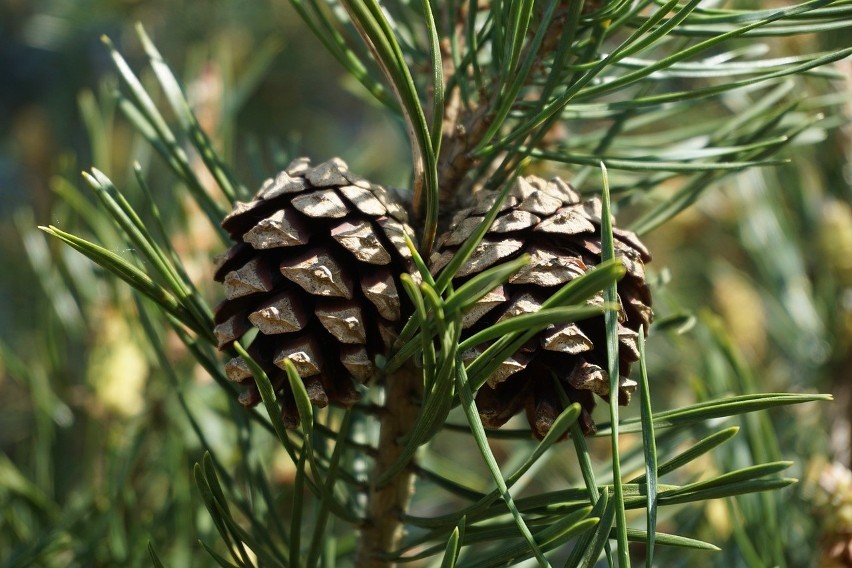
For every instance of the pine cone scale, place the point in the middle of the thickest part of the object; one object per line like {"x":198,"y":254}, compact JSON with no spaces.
{"x":319,"y":273}
{"x":325,"y":204}
{"x":256,"y":276}
{"x":380,"y":289}
{"x":566,"y":338}
{"x":281,"y":229}
{"x":230,"y":330}
{"x":344,"y":320}
{"x":284,"y":314}
{"x":303,"y":352}
{"x":366,"y":202}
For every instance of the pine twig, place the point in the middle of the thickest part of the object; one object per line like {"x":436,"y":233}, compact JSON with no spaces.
{"x":465,"y":124}
{"x":382,"y":529}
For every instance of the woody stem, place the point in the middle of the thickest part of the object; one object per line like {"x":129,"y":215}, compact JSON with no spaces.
{"x":383,"y":527}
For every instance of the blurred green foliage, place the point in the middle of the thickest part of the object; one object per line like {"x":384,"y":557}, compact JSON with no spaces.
{"x":95,"y":452}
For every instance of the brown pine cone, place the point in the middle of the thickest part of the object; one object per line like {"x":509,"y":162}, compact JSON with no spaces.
{"x":315,"y":270}
{"x":562,"y":235}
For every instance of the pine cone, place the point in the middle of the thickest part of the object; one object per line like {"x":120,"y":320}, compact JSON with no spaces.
{"x":315,"y":270}
{"x":561,"y":233}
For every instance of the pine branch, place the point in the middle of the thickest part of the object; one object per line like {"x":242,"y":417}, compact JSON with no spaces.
{"x":498,"y":77}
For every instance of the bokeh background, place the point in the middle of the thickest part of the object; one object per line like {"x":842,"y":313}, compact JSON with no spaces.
{"x":95,"y":455}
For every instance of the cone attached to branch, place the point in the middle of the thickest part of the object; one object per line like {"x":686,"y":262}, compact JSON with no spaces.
{"x":562,"y":235}
{"x":315,"y":271}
